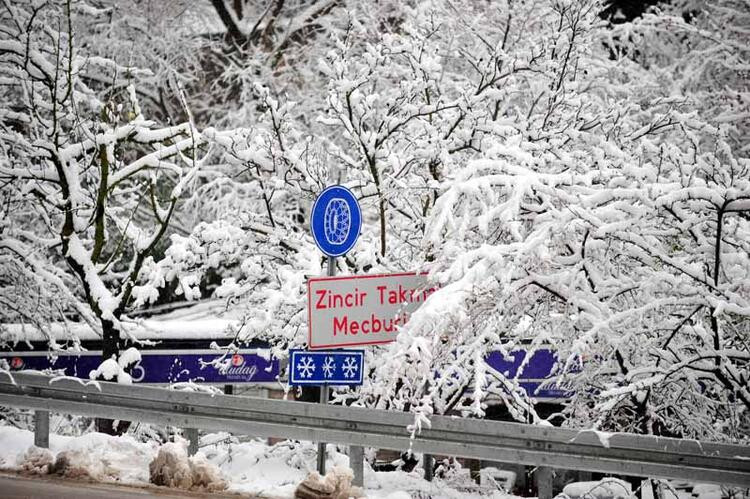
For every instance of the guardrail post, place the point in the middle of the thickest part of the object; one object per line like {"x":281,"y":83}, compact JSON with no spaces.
{"x":322,"y":445}
{"x":192,"y":436}
{"x":428,"y":462}
{"x":41,"y":429}
{"x":543,"y":479}
{"x":356,"y":461}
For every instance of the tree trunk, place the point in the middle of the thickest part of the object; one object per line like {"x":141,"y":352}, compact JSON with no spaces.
{"x":110,"y":348}
{"x":110,"y":340}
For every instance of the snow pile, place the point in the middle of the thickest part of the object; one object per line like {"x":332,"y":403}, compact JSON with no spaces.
{"x":13,"y":444}
{"x":400,"y":485}
{"x":258,"y":469}
{"x":251,"y":467}
{"x":255,"y":468}
{"x":337,"y":484}
{"x":707,"y":491}
{"x":79,"y":465}
{"x":206,"y":475}
{"x":606,"y":488}
{"x":37,"y":461}
{"x":110,"y":370}
{"x":110,"y":458}
{"x":173,"y":468}
{"x":94,"y":456}
{"x":128,"y":357}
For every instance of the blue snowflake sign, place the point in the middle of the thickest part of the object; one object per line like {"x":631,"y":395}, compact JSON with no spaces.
{"x":336,"y":220}
{"x":326,"y":367}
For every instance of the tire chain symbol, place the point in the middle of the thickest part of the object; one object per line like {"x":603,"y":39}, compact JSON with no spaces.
{"x":337,"y":221}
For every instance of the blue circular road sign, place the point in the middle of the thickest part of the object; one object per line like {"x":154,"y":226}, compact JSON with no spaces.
{"x":336,"y":220}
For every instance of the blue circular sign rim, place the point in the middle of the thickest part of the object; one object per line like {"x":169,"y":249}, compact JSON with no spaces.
{"x":317,"y":220}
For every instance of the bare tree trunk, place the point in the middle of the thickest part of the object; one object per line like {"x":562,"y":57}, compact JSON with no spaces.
{"x":110,"y":348}
{"x":110,"y":340}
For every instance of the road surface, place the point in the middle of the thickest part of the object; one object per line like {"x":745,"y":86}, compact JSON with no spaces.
{"x":24,"y":487}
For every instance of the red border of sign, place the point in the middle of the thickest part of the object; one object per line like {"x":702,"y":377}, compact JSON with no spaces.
{"x":344,"y":278}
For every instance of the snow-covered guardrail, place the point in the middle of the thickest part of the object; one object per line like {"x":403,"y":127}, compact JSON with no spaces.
{"x":627,"y":454}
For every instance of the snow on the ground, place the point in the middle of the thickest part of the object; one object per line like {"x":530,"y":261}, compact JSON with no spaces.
{"x":256,"y":468}
{"x":173,"y":468}
{"x":252,"y":467}
{"x":602,"y":489}
{"x":104,"y":458}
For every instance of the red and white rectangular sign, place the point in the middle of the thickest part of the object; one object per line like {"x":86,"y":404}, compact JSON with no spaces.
{"x":362,"y":310}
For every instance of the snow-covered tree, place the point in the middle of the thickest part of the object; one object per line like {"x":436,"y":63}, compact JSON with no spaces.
{"x":536,"y":161}
{"x":606,"y":217}
{"x":568,"y":183}
{"x":89,"y":184}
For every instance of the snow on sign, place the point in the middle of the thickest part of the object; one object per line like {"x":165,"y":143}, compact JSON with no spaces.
{"x":336,"y":220}
{"x":339,"y":367}
{"x":362,"y":310}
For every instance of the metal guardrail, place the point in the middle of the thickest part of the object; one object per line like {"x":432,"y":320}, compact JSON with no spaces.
{"x":620,"y":453}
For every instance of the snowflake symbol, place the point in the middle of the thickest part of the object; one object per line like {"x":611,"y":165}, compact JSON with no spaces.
{"x":306,"y":367}
{"x":350,"y":367}
{"x":328,"y":367}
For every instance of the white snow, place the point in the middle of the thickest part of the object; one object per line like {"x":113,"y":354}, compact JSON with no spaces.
{"x":142,"y":330}
{"x":36,"y":461}
{"x":129,"y":356}
{"x":110,"y":370}
{"x":105,"y":458}
{"x":102,"y":296}
{"x":336,"y":483}
{"x":173,"y":468}
{"x":251,"y":467}
{"x":603,"y":437}
{"x":608,"y":488}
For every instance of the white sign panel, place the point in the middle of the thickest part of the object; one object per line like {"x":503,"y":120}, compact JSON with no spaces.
{"x":362,"y":310}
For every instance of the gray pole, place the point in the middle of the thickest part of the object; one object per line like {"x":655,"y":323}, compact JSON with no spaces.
{"x":428,"y":462}
{"x":543,"y":478}
{"x":357,"y":462}
{"x":192,"y":437}
{"x":324,"y":388}
{"x":41,"y":429}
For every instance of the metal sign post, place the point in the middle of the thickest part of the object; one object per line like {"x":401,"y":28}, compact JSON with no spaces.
{"x":335,"y":224}
{"x":324,"y":387}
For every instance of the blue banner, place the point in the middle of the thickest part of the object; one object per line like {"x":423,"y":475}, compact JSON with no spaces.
{"x":321,"y":367}
{"x":156,"y":366}
{"x":531,"y":377}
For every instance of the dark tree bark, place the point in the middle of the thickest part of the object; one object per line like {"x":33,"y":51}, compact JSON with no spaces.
{"x":233,"y":31}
